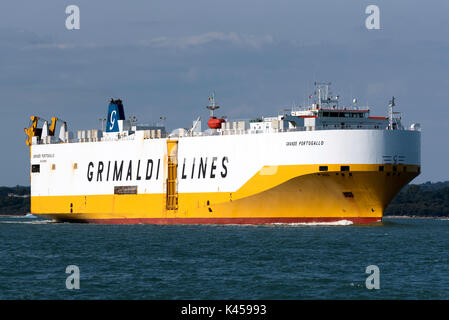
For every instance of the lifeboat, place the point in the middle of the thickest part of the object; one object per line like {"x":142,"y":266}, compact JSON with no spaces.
{"x":215,"y":123}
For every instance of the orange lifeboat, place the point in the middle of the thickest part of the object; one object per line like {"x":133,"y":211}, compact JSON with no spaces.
{"x":215,"y":123}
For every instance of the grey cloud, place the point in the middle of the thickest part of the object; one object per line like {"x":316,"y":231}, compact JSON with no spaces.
{"x":10,"y":37}
{"x":255,"y":41}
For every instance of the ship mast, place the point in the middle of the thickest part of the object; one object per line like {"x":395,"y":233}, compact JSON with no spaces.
{"x":390,"y":111}
{"x":324,"y":95}
{"x":212,"y":106}
{"x":213,"y":122}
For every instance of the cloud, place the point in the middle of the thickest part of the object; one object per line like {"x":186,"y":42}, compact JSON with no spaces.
{"x":190,"y":76}
{"x":17,"y":37}
{"x":202,"y":39}
{"x":240,"y":40}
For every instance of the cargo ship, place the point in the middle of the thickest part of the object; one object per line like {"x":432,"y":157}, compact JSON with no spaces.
{"x":318,"y":163}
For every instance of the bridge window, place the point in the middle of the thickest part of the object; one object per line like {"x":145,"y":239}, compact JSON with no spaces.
{"x":35,"y":168}
{"x":344,"y":168}
{"x":323,"y":168}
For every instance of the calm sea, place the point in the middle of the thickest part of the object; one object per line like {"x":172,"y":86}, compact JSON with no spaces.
{"x":224,"y":262}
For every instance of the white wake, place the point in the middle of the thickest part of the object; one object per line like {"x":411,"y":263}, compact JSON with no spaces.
{"x":333,"y":223}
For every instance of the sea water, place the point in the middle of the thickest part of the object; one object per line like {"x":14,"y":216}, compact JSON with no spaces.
{"x":299,"y":261}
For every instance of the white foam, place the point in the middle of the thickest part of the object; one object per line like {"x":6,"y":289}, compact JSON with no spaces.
{"x":333,"y":223}
{"x":29,"y":222}
{"x":284,"y":224}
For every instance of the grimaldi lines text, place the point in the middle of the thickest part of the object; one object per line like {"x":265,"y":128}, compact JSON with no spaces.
{"x":123,"y":170}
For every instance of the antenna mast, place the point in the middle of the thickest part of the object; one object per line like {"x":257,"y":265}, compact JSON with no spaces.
{"x":324,"y":94}
{"x":212,"y":106}
{"x":390,"y":111}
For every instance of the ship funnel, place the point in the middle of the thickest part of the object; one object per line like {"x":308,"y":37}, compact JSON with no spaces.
{"x":115,"y":113}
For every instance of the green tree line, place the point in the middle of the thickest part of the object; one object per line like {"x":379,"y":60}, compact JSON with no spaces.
{"x":14,"y":204}
{"x":428,"y":200}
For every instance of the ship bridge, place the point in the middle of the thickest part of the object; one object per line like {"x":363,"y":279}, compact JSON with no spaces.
{"x":337,"y":118}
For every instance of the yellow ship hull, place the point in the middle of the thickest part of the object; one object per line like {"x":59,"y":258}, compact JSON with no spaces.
{"x":276,"y":194}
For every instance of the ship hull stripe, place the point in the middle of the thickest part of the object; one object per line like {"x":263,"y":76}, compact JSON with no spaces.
{"x":241,"y":221}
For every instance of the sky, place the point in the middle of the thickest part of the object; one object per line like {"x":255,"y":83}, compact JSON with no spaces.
{"x":164,"y":58}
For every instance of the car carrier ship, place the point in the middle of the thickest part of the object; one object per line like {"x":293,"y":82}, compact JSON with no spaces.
{"x":321,"y":163}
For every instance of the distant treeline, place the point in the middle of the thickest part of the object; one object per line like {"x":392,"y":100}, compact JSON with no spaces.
{"x":12,"y":200}
{"x":427,"y":200}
